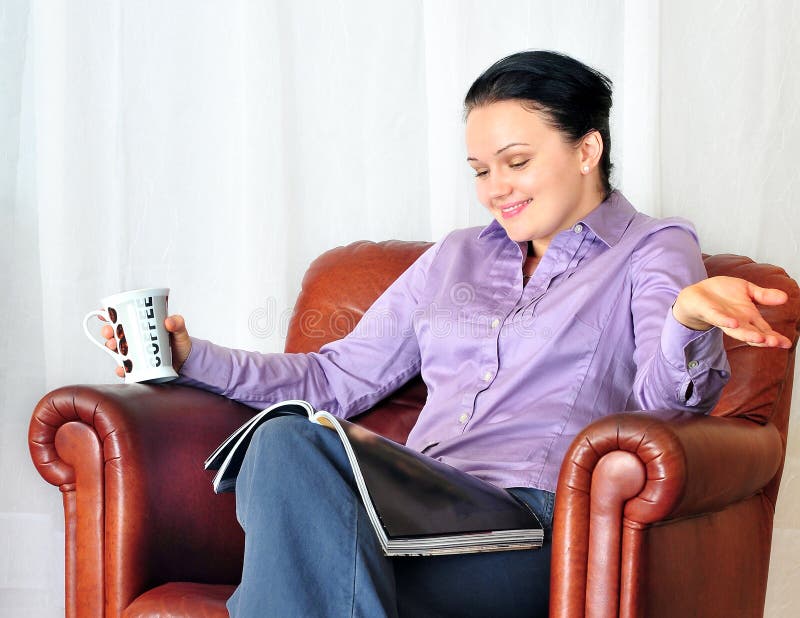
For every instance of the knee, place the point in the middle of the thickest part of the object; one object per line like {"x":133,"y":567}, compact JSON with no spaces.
{"x":279,"y":436}
{"x":273,"y":448}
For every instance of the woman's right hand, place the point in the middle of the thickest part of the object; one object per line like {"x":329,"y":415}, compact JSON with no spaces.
{"x":179,"y":341}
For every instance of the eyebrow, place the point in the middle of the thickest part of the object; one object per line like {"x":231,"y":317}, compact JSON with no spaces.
{"x":506,"y":147}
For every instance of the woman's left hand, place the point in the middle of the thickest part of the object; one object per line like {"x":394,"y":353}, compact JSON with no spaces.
{"x":730,"y":304}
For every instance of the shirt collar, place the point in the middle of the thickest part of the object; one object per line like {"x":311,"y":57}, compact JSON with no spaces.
{"x":608,"y":221}
{"x":611,"y":218}
{"x":493,"y":229}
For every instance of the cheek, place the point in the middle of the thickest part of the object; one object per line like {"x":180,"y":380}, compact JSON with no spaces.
{"x":482,"y":192}
{"x":530,"y":182}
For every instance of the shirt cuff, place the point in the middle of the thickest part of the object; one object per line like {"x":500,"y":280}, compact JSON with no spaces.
{"x":207,"y":366}
{"x":687,"y":349}
{"x":696,"y":354}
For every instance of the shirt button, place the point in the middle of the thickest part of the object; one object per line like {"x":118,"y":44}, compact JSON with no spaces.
{"x":578,"y":228}
{"x":487,"y":376}
{"x":693,"y":364}
{"x":495,"y":323}
{"x":463,"y":418}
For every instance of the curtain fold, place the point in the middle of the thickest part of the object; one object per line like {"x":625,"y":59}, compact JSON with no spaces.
{"x":217,"y":150}
{"x":31,"y":528}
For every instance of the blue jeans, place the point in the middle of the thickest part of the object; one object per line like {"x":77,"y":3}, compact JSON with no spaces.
{"x":311,"y":551}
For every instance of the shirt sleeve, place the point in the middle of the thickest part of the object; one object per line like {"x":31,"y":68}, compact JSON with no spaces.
{"x":676,"y":367}
{"x":345,"y":377}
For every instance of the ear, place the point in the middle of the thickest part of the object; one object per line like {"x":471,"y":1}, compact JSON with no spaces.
{"x":590,"y":149}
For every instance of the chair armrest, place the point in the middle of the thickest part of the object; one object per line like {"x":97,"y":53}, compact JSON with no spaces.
{"x":639,"y":470}
{"x":138,"y":506}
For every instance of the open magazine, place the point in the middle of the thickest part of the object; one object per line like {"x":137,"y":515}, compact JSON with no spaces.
{"x":416,"y":504}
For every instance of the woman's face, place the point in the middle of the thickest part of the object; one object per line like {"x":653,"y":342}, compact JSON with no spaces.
{"x":528,"y":175}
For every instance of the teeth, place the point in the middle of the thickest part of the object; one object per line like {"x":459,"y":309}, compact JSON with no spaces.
{"x":515,"y":206}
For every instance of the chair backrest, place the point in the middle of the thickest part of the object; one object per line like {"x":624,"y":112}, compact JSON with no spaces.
{"x":760,"y":387}
{"x":342,"y":283}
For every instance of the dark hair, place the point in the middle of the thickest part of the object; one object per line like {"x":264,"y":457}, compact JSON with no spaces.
{"x":572,"y":97}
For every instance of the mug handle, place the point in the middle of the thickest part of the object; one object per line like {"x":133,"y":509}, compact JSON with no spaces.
{"x":100,"y":314}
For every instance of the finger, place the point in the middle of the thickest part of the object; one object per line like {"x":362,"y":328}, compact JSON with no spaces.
{"x":768,"y":296}
{"x":776,"y":340}
{"x":773,"y":338}
{"x":111,"y":344}
{"x":716,"y":317}
{"x":757,"y":322}
{"x":120,"y":372}
{"x":749,"y":335}
{"x":772,"y":341}
{"x":107,"y":332}
{"x":175,"y":324}
{"x":759,"y":338}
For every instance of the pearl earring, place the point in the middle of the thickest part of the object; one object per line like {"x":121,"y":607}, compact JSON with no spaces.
{"x":585,"y":169}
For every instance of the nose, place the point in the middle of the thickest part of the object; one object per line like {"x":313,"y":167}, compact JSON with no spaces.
{"x":499,"y":185}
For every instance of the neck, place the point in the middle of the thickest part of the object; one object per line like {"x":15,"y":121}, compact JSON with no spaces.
{"x":588,"y":203}
{"x":529,"y":265}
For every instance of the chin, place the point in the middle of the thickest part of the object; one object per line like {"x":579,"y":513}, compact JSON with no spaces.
{"x":520,"y":238}
{"x":519,"y":235}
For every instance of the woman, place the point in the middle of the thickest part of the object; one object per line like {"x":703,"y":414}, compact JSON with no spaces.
{"x":569,"y":306}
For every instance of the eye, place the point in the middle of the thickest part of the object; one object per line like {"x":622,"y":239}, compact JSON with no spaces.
{"x":518,"y":164}
{"x":480,"y":173}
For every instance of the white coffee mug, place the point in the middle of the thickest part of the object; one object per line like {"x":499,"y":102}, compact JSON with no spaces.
{"x":137,"y":318}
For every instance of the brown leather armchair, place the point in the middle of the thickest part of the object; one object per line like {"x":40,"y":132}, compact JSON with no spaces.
{"x":657,"y":514}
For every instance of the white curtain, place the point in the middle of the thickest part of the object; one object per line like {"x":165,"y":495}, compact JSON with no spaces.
{"x":217,"y":148}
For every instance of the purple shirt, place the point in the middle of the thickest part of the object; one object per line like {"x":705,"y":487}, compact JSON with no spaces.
{"x":513,"y":373}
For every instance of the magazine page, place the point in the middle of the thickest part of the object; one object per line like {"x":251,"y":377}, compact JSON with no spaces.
{"x":421,"y":506}
{"x":228,"y":457}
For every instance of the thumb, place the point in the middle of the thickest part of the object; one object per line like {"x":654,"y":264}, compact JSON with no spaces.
{"x":180,"y":342}
{"x":176,"y":326}
{"x":768,"y":296}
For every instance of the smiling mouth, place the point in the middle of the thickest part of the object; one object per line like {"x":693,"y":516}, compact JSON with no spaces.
{"x":513,"y":210}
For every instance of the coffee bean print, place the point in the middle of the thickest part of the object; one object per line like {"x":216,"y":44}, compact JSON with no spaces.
{"x":128,"y":365}
{"x":122,"y":346}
